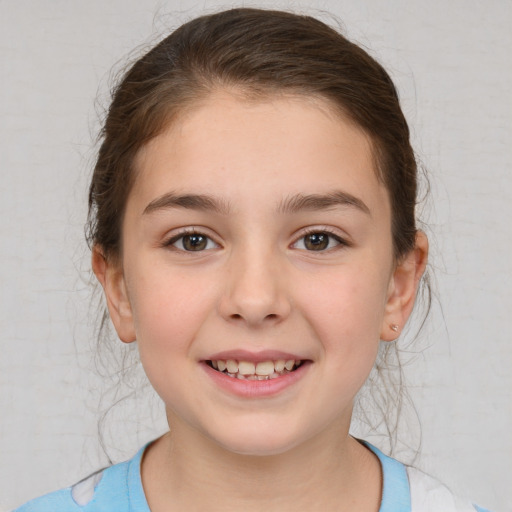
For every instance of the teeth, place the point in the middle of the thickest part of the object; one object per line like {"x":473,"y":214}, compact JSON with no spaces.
{"x":232,"y":366}
{"x":255,"y":377}
{"x":279,"y":365}
{"x":264,"y":370}
{"x":246,"y":368}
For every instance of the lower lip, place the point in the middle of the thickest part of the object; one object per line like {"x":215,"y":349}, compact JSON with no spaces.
{"x":256,"y":388}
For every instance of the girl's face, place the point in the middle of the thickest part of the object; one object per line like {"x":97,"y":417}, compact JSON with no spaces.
{"x":257,"y":234}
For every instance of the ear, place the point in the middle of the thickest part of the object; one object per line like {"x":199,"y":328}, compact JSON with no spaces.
{"x":110,"y":275}
{"x":403,"y":286}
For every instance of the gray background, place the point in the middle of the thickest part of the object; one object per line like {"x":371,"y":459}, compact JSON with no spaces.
{"x":451,"y":62}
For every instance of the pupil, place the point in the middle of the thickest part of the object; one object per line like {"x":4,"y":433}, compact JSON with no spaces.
{"x":317,"y":241}
{"x":194,"y":242}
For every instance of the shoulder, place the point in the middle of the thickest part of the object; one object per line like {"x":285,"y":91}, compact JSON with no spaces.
{"x":58,"y":501}
{"x":428,"y":494}
{"x":112,"y":489}
{"x":93,"y":494}
{"x":407,"y":489}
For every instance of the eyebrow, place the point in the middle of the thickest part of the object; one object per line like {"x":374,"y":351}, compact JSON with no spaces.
{"x":188,"y":201}
{"x":314,"y":202}
{"x":292,"y":204}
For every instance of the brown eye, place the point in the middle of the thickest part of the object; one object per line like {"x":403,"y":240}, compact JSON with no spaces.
{"x":193,"y":242}
{"x":316,"y":241}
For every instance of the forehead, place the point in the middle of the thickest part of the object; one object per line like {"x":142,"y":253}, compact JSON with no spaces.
{"x":245,"y":149}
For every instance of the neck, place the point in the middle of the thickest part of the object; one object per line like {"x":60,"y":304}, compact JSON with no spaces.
{"x":331,"y":471}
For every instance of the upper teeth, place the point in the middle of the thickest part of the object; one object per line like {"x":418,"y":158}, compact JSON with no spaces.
{"x":262,"y":368}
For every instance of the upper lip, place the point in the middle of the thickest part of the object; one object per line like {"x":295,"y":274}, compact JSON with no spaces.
{"x":254,"y":357}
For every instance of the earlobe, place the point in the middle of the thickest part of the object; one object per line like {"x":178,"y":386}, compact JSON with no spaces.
{"x":403,"y":287}
{"x":110,"y":275}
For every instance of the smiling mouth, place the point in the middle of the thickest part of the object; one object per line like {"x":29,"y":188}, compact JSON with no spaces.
{"x":246,"y":370}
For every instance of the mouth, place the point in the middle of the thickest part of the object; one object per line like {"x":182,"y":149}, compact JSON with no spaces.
{"x":248,"y":370}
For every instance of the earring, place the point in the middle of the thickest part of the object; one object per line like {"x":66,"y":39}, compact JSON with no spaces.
{"x":394,"y":327}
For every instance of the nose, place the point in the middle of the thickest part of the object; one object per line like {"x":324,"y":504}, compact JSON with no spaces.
{"x":256,"y":294}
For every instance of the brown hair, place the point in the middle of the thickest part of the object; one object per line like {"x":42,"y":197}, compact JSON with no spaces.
{"x":257,"y":52}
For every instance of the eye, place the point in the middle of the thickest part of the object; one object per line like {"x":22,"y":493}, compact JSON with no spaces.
{"x":318,"y":241}
{"x":192,"y":242}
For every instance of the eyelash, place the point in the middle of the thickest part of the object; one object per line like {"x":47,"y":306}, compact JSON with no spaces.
{"x":340,"y":242}
{"x":171,"y":242}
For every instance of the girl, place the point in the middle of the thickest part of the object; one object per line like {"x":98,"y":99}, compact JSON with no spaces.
{"x":252,"y":225}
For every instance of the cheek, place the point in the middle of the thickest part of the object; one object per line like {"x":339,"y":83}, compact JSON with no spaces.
{"x":360,"y":290}
{"x":346,"y":307}
{"x":167,"y":308}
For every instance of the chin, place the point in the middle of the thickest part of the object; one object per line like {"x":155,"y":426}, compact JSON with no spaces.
{"x":261,"y":443}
